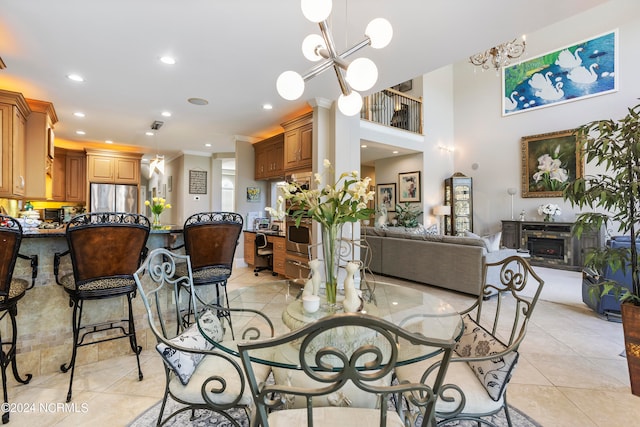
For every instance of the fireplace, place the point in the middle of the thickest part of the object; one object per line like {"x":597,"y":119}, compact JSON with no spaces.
{"x":548,"y":243}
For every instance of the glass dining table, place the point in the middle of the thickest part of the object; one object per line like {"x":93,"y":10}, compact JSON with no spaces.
{"x":280,"y":302}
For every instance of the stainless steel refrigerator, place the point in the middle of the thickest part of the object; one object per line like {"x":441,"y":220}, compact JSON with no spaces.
{"x":113,"y":198}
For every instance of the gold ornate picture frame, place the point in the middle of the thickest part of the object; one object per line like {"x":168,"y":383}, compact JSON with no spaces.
{"x":549,"y":162}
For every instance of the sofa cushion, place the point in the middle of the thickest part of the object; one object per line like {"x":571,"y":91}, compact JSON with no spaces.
{"x":463,"y":240}
{"x":494,"y":374}
{"x":491,"y":242}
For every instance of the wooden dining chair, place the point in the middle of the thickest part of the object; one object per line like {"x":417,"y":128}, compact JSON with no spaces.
{"x":197,"y":375}
{"x":487,"y":352}
{"x":330,"y":363}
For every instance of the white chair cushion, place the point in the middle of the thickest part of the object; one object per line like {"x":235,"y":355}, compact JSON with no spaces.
{"x":184,"y":363}
{"x":494,"y":374}
{"x":212,"y":365}
{"x":460,"y":374}
{"x":332,"y":417}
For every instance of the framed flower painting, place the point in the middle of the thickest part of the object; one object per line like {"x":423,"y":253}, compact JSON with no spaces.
{"x":549,"y":162}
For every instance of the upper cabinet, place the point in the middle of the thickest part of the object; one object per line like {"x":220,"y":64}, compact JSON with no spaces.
{"x":269,"y":158}
{"x":298,"y":143}
{"x":70,"y":175}
{"x":39,"y":145}
{"x":14,"y":111}
{"x":113,"y":167}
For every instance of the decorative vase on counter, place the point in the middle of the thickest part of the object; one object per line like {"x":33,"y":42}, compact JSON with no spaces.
{"x":331,"y":236}
{"x":156,"y":221}
{"x":548,"y":218}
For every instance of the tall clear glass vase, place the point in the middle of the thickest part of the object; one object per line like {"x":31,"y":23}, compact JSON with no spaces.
{"x":331,"y":236}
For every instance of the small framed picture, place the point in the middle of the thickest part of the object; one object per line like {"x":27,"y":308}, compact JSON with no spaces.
{"x":386,"y":194}
{"x":253,"y":194}
{"x":409,"y":187}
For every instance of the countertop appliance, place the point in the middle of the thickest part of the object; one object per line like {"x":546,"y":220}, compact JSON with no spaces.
{"x":113,"y":198}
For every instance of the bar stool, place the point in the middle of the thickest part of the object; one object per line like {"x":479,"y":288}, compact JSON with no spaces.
{"x":106,"y":249}
{"x":210,"y":239}
{"x":11,"y":291}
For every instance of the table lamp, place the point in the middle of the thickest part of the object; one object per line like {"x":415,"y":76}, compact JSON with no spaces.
{"x":512,"y":191}
{"x":441,"y":212}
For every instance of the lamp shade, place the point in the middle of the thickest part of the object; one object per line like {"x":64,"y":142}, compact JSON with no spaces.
{"x":380,"y":32}
{"x":290,"y":85}
{"x":362,"y":74}
{"x":442,"y":210}
{"x":351,"y":104}
{"x":309,"y":45}
{"x":316,"y":10}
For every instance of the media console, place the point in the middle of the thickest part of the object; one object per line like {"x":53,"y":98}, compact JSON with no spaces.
{"x":550,"y":244}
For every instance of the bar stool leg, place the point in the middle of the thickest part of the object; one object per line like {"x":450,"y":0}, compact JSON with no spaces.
{"x":132,"y":337}
{"x":77,"y":316}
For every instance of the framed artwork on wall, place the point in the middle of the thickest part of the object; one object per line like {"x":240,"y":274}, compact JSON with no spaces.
{"x":409,"y":187}
{"x":253,"y":194}
{"x":386,"y":194}
{"x":549,"y":162}
{"x":582,"y":70}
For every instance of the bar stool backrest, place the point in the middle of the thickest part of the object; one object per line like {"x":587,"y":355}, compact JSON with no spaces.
{"x":10,"y":238}
{"x":106,"y":244}
{"x":211,"y":238}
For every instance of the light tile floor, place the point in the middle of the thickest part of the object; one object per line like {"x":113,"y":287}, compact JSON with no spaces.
{"x":570,"y":371}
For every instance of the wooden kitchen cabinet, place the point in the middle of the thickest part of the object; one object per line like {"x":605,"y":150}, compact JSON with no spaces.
{"x":269,"y":158}
{"x":113,"y":167}
{"x":69,"y":176}
{"x":298,"y":143}
{"x":40,"y":146}
{"x":14,"y":111}
{"x":249,"y":248}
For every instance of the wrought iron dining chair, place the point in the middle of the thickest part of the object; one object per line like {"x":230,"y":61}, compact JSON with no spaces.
{"x":12,"y":289}
{"x":364,"y":362}
{"x":487,"y":352}
{"x":105,"y":250}
{"x":210,"y":239}
{"x":196,"y":374}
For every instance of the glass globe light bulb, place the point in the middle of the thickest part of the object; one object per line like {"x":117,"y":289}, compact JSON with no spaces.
{"x":362,"y":74}
{"x":350,"y":105}
{"x":290,"y":85}
{"x":316,"y":10}
{"x":380,"y":32}
{"x":309,"y":45}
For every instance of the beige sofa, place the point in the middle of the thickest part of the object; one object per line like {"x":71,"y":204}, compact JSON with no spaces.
{"x":451,"y":262}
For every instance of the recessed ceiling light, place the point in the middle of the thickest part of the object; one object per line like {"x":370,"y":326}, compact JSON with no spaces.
{"x":108,"y":141}
{"x":78,"y":114}
{"x":168,"y":60}
{"x":80,"y":132}
{"x":149,"y":133}
{"x":207,"y":145}
{"x":75,"y":77}
{"x":363,"y":146}
{"x":198,"y":101}
{"x":395,"y":151}
{"x":267,"y":107}
{"x":166,"y":114}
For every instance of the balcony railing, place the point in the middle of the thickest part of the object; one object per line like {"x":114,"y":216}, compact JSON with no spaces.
{"x":393,"y":108}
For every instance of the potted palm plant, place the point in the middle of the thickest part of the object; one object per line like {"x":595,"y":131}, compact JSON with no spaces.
{"x":614,"y":198}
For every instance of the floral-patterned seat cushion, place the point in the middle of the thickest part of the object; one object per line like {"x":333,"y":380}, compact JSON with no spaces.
{"x":207,"y":274}
{"x":97,"y":285}
{"x":185,"y":363}
{"x":494,"y":374}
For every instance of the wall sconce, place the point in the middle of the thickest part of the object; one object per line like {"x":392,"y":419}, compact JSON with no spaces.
{"x":361,"y":74}
{"x":445,"y":148}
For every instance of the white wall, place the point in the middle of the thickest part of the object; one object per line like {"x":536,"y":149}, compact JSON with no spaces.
{"x":492,"y":142}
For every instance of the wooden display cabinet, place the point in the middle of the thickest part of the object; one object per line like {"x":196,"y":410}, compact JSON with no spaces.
{"x":298,"y":143}
{"x":40,"y":146}
{"x":458,"y":193}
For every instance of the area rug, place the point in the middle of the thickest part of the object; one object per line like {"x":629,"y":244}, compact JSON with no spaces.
{"x":210,"y":419}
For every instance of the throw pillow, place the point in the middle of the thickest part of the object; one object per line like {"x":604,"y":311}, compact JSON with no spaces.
{"x":433,"y":229}
{"x":494,"y":374}
{"x":184,"y":363}
{"x":492,"y":241}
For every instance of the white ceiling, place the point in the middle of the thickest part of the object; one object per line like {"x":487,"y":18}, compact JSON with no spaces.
{"x":228,"y":52}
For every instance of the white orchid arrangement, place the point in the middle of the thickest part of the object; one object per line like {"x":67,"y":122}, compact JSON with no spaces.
{"x":549,"y":209}
{"x":278,"y":213}
{"x":551,"y":175}
{"x":344,"y":201}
